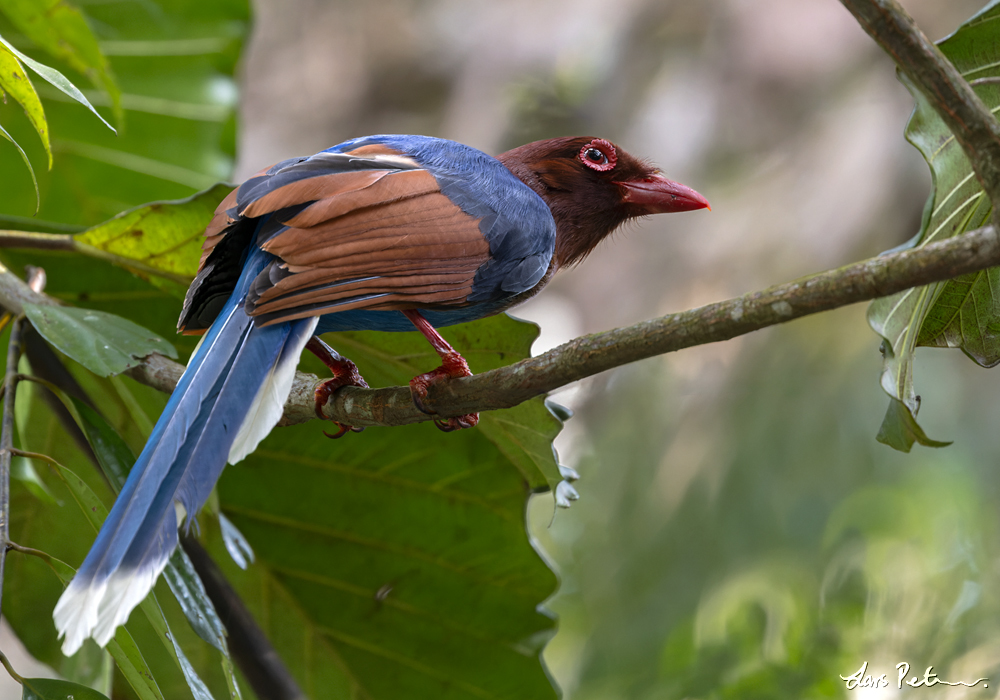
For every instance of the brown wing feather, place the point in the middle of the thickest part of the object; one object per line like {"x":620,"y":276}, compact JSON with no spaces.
{"x":411,"y":251}
{"x":221,"y":221}
{"x":216,"y":228}
{"x":312,"y":188}
{"x":418,"y":222}
{"x":401,"y":185}
{"x":379,"y":239}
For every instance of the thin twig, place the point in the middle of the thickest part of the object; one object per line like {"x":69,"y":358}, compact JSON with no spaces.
{"x":21,"y":549}
{"x":7,"y":441}
{"x":958,"y":105}
{"x":33,"y":239}
{"x":10,"y":669}
{"x":44,"y":556}
{"x":36,"y":455}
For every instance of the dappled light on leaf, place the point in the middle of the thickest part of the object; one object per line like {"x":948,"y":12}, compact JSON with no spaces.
{"x":165,"y":237}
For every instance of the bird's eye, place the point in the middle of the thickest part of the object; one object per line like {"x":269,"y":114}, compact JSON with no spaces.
{"x":599,"y":155}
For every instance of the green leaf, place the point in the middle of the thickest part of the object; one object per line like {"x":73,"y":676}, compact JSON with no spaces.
{"x":190,"y":593}
{"x":133,"y":666}
{"x":237,"y":546}
{"x":56,"y":79}
{"x":115,"y":457}
{"x":90,"y":666}
{"x":53,"y":689}
{"x":61,"y":29}
{"x":524,"y":434}
{"x":164,"y":237}
{"x":964,"y":312}
{"x":151,"y":609}
{"x":180,"y":113}
{"x":24,"y":157}
{"x":21,"y":468}
{"x":14,"y":81}
{"x":92,"y":506}
{"x":391,"y":563}
{"x":103,"y":343}
{"x":900,"y":430}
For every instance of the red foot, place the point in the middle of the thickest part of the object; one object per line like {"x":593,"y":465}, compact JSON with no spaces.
{"x":345,"y":373}
{"x":453,"y":365}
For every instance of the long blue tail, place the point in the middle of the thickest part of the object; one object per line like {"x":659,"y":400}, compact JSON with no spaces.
{"x":227,"y":401}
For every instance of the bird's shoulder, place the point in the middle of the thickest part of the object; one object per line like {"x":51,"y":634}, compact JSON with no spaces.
{"x":383,"y":213}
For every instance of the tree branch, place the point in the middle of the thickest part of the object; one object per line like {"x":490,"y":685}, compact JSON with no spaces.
{"x":958,"y":105}
{"x":63,"y":241}
{"x":589,"y":355}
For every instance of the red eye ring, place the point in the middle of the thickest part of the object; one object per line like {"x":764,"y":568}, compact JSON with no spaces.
{"x":608,"y":160}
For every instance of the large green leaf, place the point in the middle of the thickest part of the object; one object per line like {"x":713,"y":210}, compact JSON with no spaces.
{"x":523,"y":434}
{"x":392,"y":563}
{"x":965,"y":312}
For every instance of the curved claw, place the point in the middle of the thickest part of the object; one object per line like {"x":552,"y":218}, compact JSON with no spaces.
{"x":470,"y":420}
{"x":343,"y":430}
{"x":416,"y":396}
{"x":345,"y":373}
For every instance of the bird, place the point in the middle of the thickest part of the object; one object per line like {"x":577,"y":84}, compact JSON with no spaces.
{"x":386,"y":233}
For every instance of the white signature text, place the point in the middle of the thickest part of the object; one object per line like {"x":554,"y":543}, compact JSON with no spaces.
{"x":862,"y":679}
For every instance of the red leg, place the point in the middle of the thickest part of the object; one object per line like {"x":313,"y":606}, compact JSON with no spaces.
{"x":345,"y":373}
{"x":452,"y":365}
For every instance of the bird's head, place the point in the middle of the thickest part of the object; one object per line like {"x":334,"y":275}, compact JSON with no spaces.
{"x":592,"y":187}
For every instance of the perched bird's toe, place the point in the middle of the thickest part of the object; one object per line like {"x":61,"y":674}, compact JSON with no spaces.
{"x":469,"y":420}
{"x":454,"y":365}
{"x":345,"y":373}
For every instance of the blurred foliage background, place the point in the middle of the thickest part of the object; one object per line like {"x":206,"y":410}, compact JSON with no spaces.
{"x":739,"y":531}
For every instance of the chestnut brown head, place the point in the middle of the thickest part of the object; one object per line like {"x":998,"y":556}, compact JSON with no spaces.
{"x":592,"y":188}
